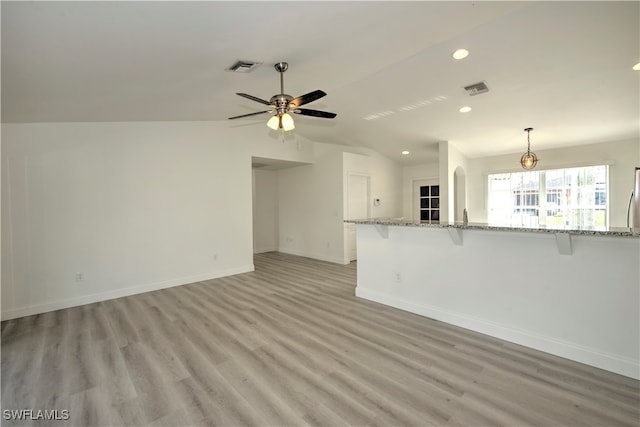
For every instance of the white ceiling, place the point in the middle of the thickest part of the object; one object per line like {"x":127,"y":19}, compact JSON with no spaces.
{"x":563,"y":68}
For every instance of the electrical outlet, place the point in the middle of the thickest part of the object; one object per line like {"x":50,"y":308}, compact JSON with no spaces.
{"x":215,"y":257}
{"x":79,"y":277}
{"x":396,"y":277}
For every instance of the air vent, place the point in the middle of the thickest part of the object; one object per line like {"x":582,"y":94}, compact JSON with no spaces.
{"x":477,"y":88}
{"x":243,"y":66}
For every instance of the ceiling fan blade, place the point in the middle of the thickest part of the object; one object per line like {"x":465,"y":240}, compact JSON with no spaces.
{"x":307,"y":98}
{"x":253,"y":98}
{"x":314,"y":113}
{"x":250,"y":114}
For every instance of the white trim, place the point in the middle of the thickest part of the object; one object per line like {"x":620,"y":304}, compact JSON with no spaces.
{"x":589,"y":356}
{"x":335,"y":260}
{"x":118,"y":293}
{"x":265,"y":249}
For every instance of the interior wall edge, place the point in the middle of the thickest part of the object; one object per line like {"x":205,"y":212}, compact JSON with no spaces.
{"x":320,"y":257}
{"x":29,"y":310}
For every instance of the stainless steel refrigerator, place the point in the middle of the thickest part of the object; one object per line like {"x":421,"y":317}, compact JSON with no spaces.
{"x":634,"y":203}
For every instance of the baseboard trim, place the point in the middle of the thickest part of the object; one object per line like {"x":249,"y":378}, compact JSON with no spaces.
{"x":265,"y":249}
{"x":589,"y":356}
{"x":334,"y":260}
{"x":29,"y":310}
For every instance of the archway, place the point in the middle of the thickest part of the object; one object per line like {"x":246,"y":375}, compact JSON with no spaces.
{"x":459,"y":193}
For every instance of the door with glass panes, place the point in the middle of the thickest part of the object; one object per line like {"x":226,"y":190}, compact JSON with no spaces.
{"x":426,"y":201}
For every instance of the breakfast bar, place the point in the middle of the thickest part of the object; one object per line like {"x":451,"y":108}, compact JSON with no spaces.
{"x":574,"y":293}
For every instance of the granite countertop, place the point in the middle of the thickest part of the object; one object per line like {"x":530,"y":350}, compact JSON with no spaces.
{"x":401,"y":222}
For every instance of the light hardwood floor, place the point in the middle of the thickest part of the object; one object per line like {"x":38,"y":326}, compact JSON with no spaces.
{"x":290,"y":345}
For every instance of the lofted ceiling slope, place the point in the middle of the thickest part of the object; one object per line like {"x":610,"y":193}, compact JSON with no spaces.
{"x":563,"y":68}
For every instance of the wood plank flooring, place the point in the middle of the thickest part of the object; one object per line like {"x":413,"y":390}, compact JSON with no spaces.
{"x":289,"y":345}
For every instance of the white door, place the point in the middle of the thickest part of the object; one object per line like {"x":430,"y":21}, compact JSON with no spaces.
{"x":357,"y":208}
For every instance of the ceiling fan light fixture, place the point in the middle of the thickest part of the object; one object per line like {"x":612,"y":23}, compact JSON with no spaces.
{"x":274,"y":122}
{"x":287,"y":122}
{"x":281,"y":121}
{"x":528,"y":160}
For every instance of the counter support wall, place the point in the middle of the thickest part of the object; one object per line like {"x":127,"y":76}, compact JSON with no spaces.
{"x":515,"y":286}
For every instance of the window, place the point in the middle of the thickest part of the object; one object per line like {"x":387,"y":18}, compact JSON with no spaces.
{"x":558,"y":198}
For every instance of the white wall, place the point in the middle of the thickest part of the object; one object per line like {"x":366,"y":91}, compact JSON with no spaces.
{"x":582,"y":306}
{"x":623,"y":157}
{"x":310,"y":207}
{"x":311,"y":199}
{"x":265,"y":211}
{"x":385,"y":181}
{"x":385,"y":185}
{"x":131,"y":206}
{"x":450,"y":159}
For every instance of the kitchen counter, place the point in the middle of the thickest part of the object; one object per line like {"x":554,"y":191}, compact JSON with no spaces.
{"x":573,"y":293}
{"x":604,"y":231}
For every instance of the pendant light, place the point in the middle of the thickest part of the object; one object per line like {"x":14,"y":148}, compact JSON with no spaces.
{"x":528,"y":159}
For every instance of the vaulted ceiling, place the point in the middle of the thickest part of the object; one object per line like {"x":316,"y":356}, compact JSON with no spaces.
{"x":563,"y":68}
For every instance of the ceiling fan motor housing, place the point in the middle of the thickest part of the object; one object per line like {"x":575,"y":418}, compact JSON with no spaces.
{"x":281,"y":102}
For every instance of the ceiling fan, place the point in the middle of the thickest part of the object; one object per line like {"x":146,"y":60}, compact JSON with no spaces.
{"x":283,"y":104}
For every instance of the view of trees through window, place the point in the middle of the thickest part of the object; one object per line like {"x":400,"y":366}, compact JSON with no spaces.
{"x":558,"y":198}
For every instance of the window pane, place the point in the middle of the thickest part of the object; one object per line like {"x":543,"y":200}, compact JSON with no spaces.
{"x":573,"y":197}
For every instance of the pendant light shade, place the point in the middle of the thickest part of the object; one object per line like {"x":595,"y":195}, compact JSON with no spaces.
{"x":284,"y":121}
{"x":529,"y":159}
{"x":287,"y":122}
{"x":274,"y":122}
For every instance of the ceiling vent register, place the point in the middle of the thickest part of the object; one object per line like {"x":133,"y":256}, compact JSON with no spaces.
{"x":243,"y":66}
{"x":477,"y":88}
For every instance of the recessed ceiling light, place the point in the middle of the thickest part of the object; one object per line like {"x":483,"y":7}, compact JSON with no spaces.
{"x":465,"y":109}
{"x":405,"y":152}
{"x":460,"y":54}
{"x":637,"y":67}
